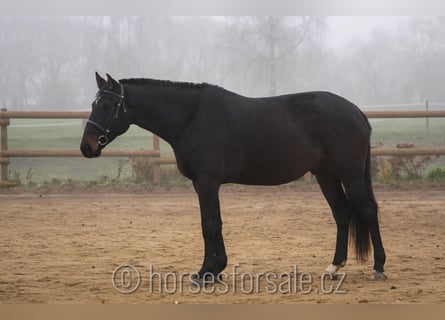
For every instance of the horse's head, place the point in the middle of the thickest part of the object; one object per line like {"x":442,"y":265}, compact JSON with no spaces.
{"x":108,"y":118}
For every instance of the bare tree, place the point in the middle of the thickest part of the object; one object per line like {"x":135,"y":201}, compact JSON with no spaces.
{"x":268,"y":40}
{"x":375,"y":67}
{"x":425,"y":38}
{"x":402,"y":65}
{"x":48,"y":62}
{"x":17,"y":63}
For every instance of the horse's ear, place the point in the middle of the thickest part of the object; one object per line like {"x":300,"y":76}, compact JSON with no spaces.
{"x":101,"y":82}
{"x":113,"y":84}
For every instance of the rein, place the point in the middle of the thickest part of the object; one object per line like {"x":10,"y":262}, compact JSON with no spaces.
{"x":102,"y":140}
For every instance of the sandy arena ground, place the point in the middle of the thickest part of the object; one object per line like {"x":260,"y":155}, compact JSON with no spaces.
{"x":63,"y":248}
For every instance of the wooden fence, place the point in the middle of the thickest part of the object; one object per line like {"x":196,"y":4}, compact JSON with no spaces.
{"x":154,"y":153}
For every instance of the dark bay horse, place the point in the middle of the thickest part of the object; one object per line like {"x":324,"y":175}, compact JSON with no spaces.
{"x":222,"y":137}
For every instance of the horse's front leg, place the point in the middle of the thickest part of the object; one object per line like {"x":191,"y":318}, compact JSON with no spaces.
{"x":215,"y":259}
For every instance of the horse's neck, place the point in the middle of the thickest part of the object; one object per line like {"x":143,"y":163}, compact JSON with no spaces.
{"x":163,"y":110}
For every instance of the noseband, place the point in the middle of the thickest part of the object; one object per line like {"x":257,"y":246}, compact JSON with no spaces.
{"x":102,"y":140}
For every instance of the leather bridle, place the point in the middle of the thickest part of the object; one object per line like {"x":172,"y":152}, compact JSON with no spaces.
{"x":102,"y":140}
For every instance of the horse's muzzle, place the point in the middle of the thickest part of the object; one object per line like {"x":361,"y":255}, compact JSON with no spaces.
{"x":88,"y":152}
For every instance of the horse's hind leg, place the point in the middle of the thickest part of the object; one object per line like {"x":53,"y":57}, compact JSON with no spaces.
{"x":333,"y":191}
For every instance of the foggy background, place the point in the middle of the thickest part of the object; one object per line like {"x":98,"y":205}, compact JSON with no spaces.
{"x":48,"y":63}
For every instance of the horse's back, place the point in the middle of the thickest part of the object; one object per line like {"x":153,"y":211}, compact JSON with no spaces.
{"x":276,"y":140}
{"x":315,"y":117}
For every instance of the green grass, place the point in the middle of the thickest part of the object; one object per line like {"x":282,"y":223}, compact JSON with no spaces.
{"x":390,"y":132}
{"x":387,"y":133}
{"x":66,"y":134}
{"x":436,"y":175}
{"x":23,"y":135}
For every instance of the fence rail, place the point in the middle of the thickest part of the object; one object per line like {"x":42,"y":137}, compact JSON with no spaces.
{"x":408,"y":152}
{"x":77,"y":153}
{"x":405,"y":114}
{"x":85,"y":114}
{"x":154,"y":153}
{"x":44,"y":114}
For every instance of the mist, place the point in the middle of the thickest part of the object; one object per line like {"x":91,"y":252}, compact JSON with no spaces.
{"x":48,"y":63}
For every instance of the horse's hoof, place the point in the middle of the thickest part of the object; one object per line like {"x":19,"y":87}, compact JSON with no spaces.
{"x":379,"y":276}
{"x":197,"y":282}
{"x":203,"y":281}
{"x":332,"y":269}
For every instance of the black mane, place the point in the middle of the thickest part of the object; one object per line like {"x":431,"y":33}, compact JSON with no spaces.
{"x":166,"y":83}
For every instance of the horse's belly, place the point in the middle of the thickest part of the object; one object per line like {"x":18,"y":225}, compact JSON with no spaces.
{"x":273,"y":169}
{"x":264,"y":180}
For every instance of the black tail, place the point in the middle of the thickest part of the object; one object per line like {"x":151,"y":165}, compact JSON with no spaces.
{"x":368,"y":179}
{"x":358,"y":227}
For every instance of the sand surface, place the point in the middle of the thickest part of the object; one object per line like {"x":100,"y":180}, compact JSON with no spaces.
{"x":63,"y":248}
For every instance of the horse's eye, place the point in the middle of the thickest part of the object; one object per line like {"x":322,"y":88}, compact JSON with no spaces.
{"x":96,"y":102}
{"x":108,"y":106}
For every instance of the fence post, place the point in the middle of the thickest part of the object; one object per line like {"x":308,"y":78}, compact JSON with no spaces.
{"x":427,"y":108}
{"x":156,"y":166}
{"x":4,"y":161}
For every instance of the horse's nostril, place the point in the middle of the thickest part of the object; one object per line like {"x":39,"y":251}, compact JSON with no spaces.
{"x":86,"y":150}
